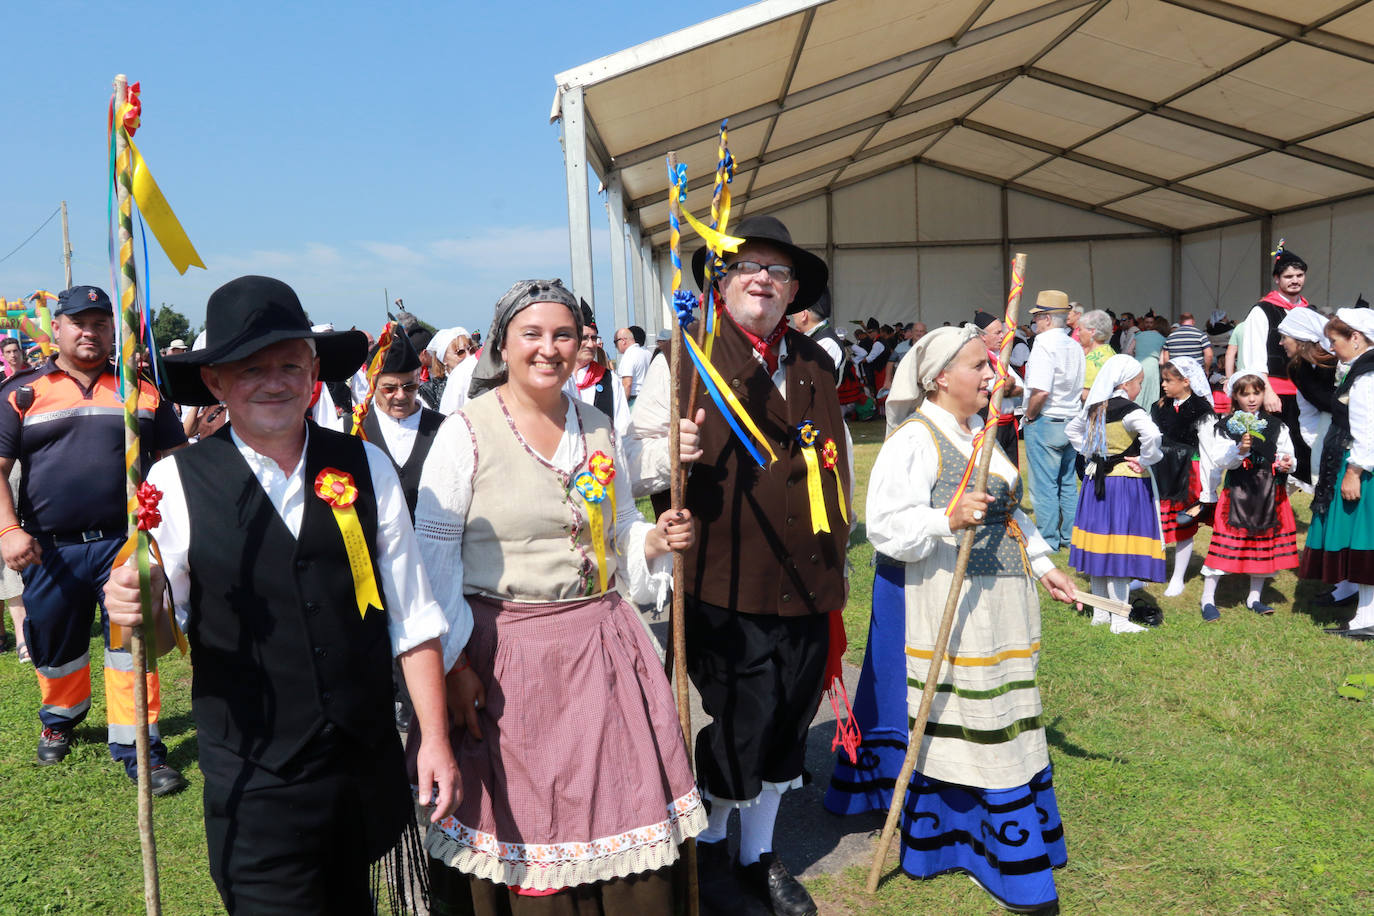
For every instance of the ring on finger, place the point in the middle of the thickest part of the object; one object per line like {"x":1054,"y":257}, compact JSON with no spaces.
{"x":977,"y":515}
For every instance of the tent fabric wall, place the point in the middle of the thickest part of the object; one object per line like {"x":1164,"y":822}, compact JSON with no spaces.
{"x":1221,"y":268}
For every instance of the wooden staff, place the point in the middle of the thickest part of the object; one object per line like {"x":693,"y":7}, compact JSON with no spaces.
{"x":980,"y":485}
{"x":128,"y":299}
{"x":675,"y":491}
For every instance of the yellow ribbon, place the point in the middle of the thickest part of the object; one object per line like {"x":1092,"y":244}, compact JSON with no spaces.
{"x":806,"y":437}
{"x":337,"y":489}
{"x":359,"y":560}
{"x":159,"y":216}
{"x":715,"y":240}
{"x":594,"y":492}
{"x":717,"y":383}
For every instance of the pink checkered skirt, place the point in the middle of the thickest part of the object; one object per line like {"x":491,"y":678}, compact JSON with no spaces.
{"x":582,"y":773}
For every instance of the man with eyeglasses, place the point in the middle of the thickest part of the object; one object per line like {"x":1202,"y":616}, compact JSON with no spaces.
{"x":765,"y":575}
{"x":397,"y":423}
{"x":634,"y":359}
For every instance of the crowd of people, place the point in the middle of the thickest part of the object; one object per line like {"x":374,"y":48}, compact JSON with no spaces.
{"x":435,"y":534}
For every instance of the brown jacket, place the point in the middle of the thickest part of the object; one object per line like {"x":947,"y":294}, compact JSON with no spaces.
{"x":755,"y":551}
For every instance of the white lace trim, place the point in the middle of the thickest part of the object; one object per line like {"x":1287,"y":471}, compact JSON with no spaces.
{"x":778,"y":787}
{"x":557,"y":865}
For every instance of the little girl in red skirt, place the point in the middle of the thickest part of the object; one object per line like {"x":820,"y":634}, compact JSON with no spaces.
{"x":1253,"y":531}
{"x":1184,"y":417}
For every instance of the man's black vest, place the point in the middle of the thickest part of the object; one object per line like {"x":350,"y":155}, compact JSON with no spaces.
{"x":1275,"y":355}
{"x":278,"y":647}
{"x":827,"y":332}
{"x":430,"y":421}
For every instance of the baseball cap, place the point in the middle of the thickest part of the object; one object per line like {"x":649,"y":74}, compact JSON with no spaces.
{"x":82,"y":299}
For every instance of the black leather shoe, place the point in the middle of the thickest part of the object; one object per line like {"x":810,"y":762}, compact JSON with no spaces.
{"x":718,"y":887}
{"x":165,"y":780}
{"x":1328,"y":599}
{"x":1363,"y":634}
{"x":770,"y":880}
{"x":53,"y":746}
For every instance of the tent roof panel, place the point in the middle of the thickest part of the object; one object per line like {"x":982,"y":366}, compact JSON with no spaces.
{"x":746,"y":70}
{"x":1048,"y":113}
{"x":994,"y":55}
{"x":1080,"y":182}
{"x":980,"y":153}
{"x":1151,"y":49}
{"x":1354,"y":142}
{"x":885,"y":160}
{"x":1291,"y":91}
{"x":839,"y":109}
{"x":832,"y":152}
{"x":1308,"y":11}
{"x":1165,"y":206}
{"x":651,"y":177}
{"x":1357,"y":24}
{"x":1165,"y":148}
{"x":762,"y":205}
{"x":1276,"y":181}
{"x":1003,"y":9}
{"x":907,"y":124}
{"x":847,"y":36}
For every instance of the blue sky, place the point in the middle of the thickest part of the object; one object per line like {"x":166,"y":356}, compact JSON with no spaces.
{"x":343,"y":147}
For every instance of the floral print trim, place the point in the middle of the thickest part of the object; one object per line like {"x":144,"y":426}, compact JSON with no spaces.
{"x":556,"y":865}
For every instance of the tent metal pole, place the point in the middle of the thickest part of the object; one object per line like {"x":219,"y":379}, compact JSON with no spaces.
{"x":579,"y":204}
{"x":615,"y":217}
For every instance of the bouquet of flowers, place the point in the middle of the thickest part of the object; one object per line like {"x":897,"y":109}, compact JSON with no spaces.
{"x":1242,"y":422}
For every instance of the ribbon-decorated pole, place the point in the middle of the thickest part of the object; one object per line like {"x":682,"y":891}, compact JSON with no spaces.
{"x":983,"y":457}
{"x":128,"y":301}
{"x":676,"y":489}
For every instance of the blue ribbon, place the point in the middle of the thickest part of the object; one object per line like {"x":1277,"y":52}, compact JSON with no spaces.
{"x":685,"y":304}
{"x":724,"y":410}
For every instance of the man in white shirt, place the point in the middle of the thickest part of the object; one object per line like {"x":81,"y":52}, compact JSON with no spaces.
{"x":1054,"y":382}
{"x":291,"y":558}
{"x":634,"y":359}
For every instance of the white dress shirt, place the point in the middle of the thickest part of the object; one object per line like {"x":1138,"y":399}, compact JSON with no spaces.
{"x":399,"y":434}
{"x":634,"y":364}
{"x":413,"y":615}
{"x":1056,"y":365}
{"x":1362,"y":422}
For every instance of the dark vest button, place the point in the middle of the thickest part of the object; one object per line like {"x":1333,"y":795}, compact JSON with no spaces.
{"x":791,"y":521}
{"x":811,"y":595}
{"x":326,"y":696}
{"x":312,"y":608}
{"x":815,"y":559}
{"x":786,"y":597}
{"x":320,"y":652}
{"x":302,"y":564}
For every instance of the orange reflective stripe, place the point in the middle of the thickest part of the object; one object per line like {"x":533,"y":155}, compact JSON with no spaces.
{"x":68,"y":691}
{"x":58,"y":391}
{"x":119,"y":697}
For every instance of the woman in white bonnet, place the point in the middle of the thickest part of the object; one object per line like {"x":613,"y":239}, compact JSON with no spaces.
{"x":984,"y":762}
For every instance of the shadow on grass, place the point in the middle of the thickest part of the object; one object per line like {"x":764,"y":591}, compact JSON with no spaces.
{"x":1056,"y":739}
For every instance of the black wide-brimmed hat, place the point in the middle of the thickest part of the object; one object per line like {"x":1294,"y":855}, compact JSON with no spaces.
{"x":811,"y":272}
{"x":250,"y":313}
{"x":400,"y":356}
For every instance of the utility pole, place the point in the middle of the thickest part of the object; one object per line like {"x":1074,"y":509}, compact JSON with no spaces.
{"x":66,"y":247}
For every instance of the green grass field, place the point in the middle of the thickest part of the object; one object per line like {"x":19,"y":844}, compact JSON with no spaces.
{"x":1200,"y":768}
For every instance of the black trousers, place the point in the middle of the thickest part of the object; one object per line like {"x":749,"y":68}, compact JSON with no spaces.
{"x":760,"y":680}
{"x":302,"y":841}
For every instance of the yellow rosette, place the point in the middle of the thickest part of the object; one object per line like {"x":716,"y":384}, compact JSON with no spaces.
{"x":337,"y":489}
{"x":830,"y":459}
{"x":806,"y":436}
{"x":594,"y":492}
{"x":602,"y":467}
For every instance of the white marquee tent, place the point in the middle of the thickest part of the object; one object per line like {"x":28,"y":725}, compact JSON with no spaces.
{"x":1143,"y":153}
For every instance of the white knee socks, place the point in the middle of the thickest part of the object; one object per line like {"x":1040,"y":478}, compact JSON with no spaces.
{"x":1119,"y":589}
{"x":1210,"y":578}
{"x":1183,"y":552}
{"x":1256,"y":587}
{"x":717,"y":823}
{"x":1364,"y":609}
{"x":1099,"y":587}
{"x":756,"y":826}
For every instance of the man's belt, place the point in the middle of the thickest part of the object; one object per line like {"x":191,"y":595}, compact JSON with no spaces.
{"x":72,"y":538}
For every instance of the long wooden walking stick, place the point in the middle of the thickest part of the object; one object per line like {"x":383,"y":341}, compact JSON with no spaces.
{"x":128,"y":300}
{"x":984,"y":459}
{"x":676,"y":487}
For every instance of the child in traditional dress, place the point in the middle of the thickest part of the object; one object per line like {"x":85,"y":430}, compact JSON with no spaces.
{"x":1253,"y":531}
{"x":1116,"y":532}
{"x":1183,"y":415}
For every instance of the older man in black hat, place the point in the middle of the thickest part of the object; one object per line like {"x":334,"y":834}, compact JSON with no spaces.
{"x":289,"y":552}
{"x":764,"y":575}
{"x":65,"y":423}
{"x":397,"y":423}
{"x":814,"y":322}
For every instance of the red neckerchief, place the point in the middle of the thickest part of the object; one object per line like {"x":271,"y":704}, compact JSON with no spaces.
{"x":767,"y":347}
{"x":315,"y":395}
{"x":1274,"y":297}
{"x":594,"y":373}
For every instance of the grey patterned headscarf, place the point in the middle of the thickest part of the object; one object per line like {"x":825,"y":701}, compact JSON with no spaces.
{"x":491,"y":368}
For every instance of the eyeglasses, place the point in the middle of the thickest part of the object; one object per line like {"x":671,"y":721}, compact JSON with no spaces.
{"x":390,"y":390}
{"x":778,"y":273}
{"x":591,"y":337}
{"x":622,"y":340}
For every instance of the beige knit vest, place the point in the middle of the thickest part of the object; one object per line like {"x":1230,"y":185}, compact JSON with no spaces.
{"x":528,"y":535}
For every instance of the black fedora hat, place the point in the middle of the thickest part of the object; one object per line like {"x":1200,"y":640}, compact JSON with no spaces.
{"x":250,"y":313}
{"x":812,"y":274}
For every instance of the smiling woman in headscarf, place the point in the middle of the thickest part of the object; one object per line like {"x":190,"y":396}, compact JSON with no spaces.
{"x":1116,"y":532}
{"x":1312,"y":369}
{"x":577,"y":793}
{"x":983,"y":779}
